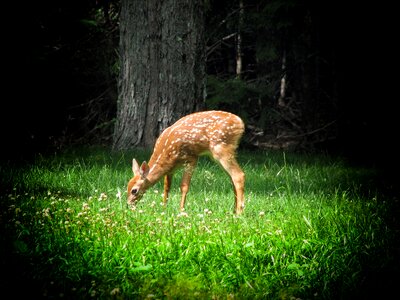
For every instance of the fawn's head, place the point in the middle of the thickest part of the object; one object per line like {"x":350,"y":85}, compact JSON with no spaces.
{"x":138,"y":184}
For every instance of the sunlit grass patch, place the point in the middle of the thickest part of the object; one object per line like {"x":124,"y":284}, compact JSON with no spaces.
{"x":310,"y":229}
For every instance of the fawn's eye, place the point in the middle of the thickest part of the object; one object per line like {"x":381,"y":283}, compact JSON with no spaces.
{"x":134,"y":191}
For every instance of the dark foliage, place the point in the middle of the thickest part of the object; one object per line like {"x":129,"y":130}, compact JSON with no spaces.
{"x":63,"y":70}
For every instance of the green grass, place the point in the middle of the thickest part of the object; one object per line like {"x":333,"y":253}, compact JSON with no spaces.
{"x":313,"y":228}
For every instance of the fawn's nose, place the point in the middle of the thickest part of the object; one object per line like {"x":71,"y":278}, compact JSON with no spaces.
{"x":133,"y":198}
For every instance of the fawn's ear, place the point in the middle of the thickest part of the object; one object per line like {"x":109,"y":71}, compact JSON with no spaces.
{"x":135,"y":167}
{"x":144,"y":169}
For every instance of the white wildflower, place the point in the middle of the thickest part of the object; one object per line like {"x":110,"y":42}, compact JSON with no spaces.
{"x":183,"y":214}
{"x":103,"y":196}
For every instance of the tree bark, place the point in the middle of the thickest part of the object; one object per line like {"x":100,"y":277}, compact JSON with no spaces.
{"x":282,"y":88}
{"x":239,"y":61}
{"x":162,"y":75}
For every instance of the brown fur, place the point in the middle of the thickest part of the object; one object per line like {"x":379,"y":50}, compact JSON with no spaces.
{"x":215,"y":132}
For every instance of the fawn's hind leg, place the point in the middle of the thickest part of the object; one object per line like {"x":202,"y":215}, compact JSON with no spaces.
{"x":225,"y":155}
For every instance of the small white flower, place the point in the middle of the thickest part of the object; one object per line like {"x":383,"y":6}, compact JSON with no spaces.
{"x":183,"y":214}
{"x":103,"y":196}
{"x":85,"y":206}
{"x":207,"y":211}
{"x":261,"y":214}
{"x":114,"y":292}
{"x":118,"y":195}
{"x":46,"y":212}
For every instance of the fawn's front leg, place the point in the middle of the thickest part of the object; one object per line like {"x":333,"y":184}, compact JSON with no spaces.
{"x":187,"y":176}
{"x":167,"y":187}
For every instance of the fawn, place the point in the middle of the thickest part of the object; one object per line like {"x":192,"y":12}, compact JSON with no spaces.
{"x":210,"y":132}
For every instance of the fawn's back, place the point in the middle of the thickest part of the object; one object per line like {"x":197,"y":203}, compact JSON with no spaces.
{"x":197,"y":134}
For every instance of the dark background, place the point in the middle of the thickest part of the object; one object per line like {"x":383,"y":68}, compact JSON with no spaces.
{"x":52,"y":74}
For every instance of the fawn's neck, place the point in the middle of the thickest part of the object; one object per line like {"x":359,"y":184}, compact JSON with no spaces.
{"x":158,"y":168}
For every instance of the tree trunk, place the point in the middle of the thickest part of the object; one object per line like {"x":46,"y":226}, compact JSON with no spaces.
{"x":239,"y":61}
{"x":162,"y":75}
{"x":282,"y":88}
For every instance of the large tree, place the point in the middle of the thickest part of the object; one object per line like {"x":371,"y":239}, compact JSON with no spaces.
{"x":162,"y":75}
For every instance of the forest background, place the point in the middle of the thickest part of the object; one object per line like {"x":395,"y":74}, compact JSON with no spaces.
{"x":63,"y":63}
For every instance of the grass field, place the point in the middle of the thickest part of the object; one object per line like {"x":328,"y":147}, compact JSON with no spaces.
{"x":313,"y":228}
